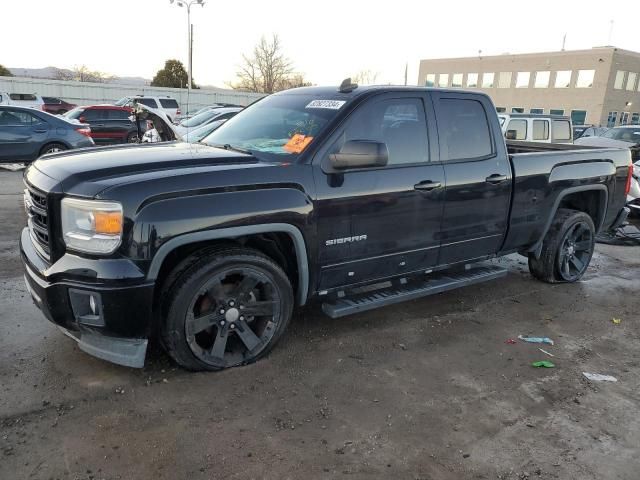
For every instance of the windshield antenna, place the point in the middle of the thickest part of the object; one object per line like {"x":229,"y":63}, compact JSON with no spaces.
{"x":346,"y":86}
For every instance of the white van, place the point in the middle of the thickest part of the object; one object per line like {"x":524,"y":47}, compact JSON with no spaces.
{"x":30,"y":100}
{"x":531,"y":127}
{"x":166,"y":104}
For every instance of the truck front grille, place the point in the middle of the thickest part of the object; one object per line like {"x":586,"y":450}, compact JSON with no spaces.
{"x":35,"y":203}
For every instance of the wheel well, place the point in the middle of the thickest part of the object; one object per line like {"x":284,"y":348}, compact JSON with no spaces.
{"x":277,"y":245}
{"x":589,"y":202}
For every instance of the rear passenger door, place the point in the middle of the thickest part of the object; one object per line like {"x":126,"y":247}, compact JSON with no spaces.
{"x":377,"y":222}
{"x":119,"y":125}
{"x":478,"y":175}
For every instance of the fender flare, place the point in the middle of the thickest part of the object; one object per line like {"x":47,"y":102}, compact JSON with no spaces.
{"x":536,"y":249}
{"x":187,"y":238}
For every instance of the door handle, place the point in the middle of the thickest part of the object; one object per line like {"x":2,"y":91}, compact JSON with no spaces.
{"x":427,"y":185}
{"x":496,"y":178}
{"x":41,"y":131}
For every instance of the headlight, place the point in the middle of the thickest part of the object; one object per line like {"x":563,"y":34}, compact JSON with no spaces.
{"x":91,"y":226}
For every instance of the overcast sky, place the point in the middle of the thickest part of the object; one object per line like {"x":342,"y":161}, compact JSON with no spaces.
{"x":327,"y":40}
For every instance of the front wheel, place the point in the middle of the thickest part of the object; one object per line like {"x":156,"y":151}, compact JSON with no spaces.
{"x":228,"y":308}
{"x":566,"y":249}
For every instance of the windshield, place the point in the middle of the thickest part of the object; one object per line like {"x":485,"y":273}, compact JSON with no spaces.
{"x":199,"y":133}
{"x":123,"y":102}
{"x":278,"y":125}
{"x":631,"y":135}
{"x":199,"y":119}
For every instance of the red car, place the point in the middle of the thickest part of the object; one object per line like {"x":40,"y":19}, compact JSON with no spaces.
{"x":56,"y":106}
{"x":109,"y":124}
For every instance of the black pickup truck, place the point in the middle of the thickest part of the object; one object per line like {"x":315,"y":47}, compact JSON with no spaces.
{"x":358,"y":197}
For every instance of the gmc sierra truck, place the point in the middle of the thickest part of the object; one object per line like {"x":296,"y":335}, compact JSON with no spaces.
{"x":356,"y":196}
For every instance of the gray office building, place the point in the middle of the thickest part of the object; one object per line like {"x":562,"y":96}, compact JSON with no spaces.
{"x":600,"y":86}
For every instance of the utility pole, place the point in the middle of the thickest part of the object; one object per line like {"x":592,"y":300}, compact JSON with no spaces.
{"x":406,"y":71}
{"x":564,"y":41}
{"x":185,"y":3}
{"x":610,"y":33}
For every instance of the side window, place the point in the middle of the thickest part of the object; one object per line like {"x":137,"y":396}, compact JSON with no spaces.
{"x":168,"y":103}
{"x":399,"y":123}
{"x":93,"y":114}
{"x":118,"y":115}
{"x":149,"y":102}
{"x":540,"y":130}
{"x":520,"y":126}
{"x":17,"y":118}
{"x":561,"y":130}
{"x":463,"y":129}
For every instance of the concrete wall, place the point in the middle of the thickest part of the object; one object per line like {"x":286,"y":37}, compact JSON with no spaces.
{"x":597,"y":100}
{"x":85,"y":93}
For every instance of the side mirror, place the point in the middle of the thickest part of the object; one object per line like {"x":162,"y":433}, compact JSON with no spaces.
{"x":360,"y":153}
{"x":511,"y":134}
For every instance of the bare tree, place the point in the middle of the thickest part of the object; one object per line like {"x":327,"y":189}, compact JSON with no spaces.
{"x":82,"y":73}
{"x":267,"y":70}
{"x":365,"y":77}
{"x":61,"y":74}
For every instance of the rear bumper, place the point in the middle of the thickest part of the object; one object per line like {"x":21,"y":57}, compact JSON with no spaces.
{"x":109,"y":320}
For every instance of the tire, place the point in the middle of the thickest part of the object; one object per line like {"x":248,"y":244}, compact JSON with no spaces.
{"x":205,"y":325}
{"x":132,"y":138}
{"x":567,"y":248}
{"x":52,"y":148}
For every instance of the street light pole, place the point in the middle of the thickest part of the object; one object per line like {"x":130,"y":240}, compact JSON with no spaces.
{"x":185,"y":3}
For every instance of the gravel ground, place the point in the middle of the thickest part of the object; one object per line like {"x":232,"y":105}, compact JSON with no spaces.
{"x":423,"y":390}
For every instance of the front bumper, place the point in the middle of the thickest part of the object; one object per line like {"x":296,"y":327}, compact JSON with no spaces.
{"x":117,"y":327}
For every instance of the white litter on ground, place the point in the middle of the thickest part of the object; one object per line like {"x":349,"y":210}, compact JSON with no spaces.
{"x":596,"y":377}
{"x":14,"y":167}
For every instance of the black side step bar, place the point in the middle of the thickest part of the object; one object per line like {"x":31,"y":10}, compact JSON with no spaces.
{"x":434,"y":283}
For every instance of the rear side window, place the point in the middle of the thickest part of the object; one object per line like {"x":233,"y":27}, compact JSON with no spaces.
{"x":168,"y":103}
{"x":399,"y":123}
{"x":520,"y":127}
{"x":94,"y":114}
{"x":463,"y":129}
{"x":540,"y":130}
{"x":561,"y":130}
{"x":149,"y":102}
{"x":22,"y":96}
{"x":17,"y":118}
{"x":51,"y":100}
{"x":119,"y":115}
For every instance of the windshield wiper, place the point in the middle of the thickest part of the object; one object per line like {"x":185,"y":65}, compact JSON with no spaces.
{"x":228,"y":146}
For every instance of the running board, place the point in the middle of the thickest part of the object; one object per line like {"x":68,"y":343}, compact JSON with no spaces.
{"x":435,"y":283}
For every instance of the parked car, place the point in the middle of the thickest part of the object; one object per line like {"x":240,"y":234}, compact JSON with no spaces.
{"x":26,"y":134}
{"x":109,"y":124}
{"x":166,"y":104}
{"x":210,"y":115}
{"x":531,"y":127}
{"x":580,"y":131}
{"x":627,"y":136}
{"x":309,"y":193}
{"x":30,"y":100}
{"x":56,"y":106}
{"x":188,"y":115}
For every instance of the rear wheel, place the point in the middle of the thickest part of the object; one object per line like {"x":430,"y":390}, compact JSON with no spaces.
{"x":52,"y":148}
{"x":228,"y":308}
{"x":567,"y":248}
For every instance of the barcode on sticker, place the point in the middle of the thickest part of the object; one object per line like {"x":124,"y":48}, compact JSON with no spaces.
{"x":330,"y":104}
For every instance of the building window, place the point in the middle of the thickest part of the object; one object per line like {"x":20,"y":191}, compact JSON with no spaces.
{"x":578,"y":117}
{"x":619,"y":79}
{"x":540,"y":130}
{"x":517,"y":110}
{"x":563,"y":79}
{"x":472,"y":80}
{"x":443,"y":80}
{"x":538,"y":111}
{"x":522,"y":79}
{"x":456,"y":80}
{"x":487,"y":80}
{"x":612,"y":119}
{"x":556,"y":111}
{"x":624,"y":118}
{"x":520,"y":127}
{"x":585,"y":78}
{"x":501,"y":109}
{"x":561,"y":130}
{"x":504,"y":80}
{"x":635,"y":119}
{"x":631,"y":81}
{"x":431,"y":80}
{"x":542,"y":79}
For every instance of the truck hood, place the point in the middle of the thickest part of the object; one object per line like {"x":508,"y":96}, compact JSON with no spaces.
{"x":86,"y":172}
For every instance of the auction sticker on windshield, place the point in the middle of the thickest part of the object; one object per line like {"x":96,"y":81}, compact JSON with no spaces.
{"x":297,"y":143}
{"x":330,"y":104}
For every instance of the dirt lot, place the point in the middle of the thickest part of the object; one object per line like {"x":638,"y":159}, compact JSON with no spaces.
{"x":425,"y":390}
